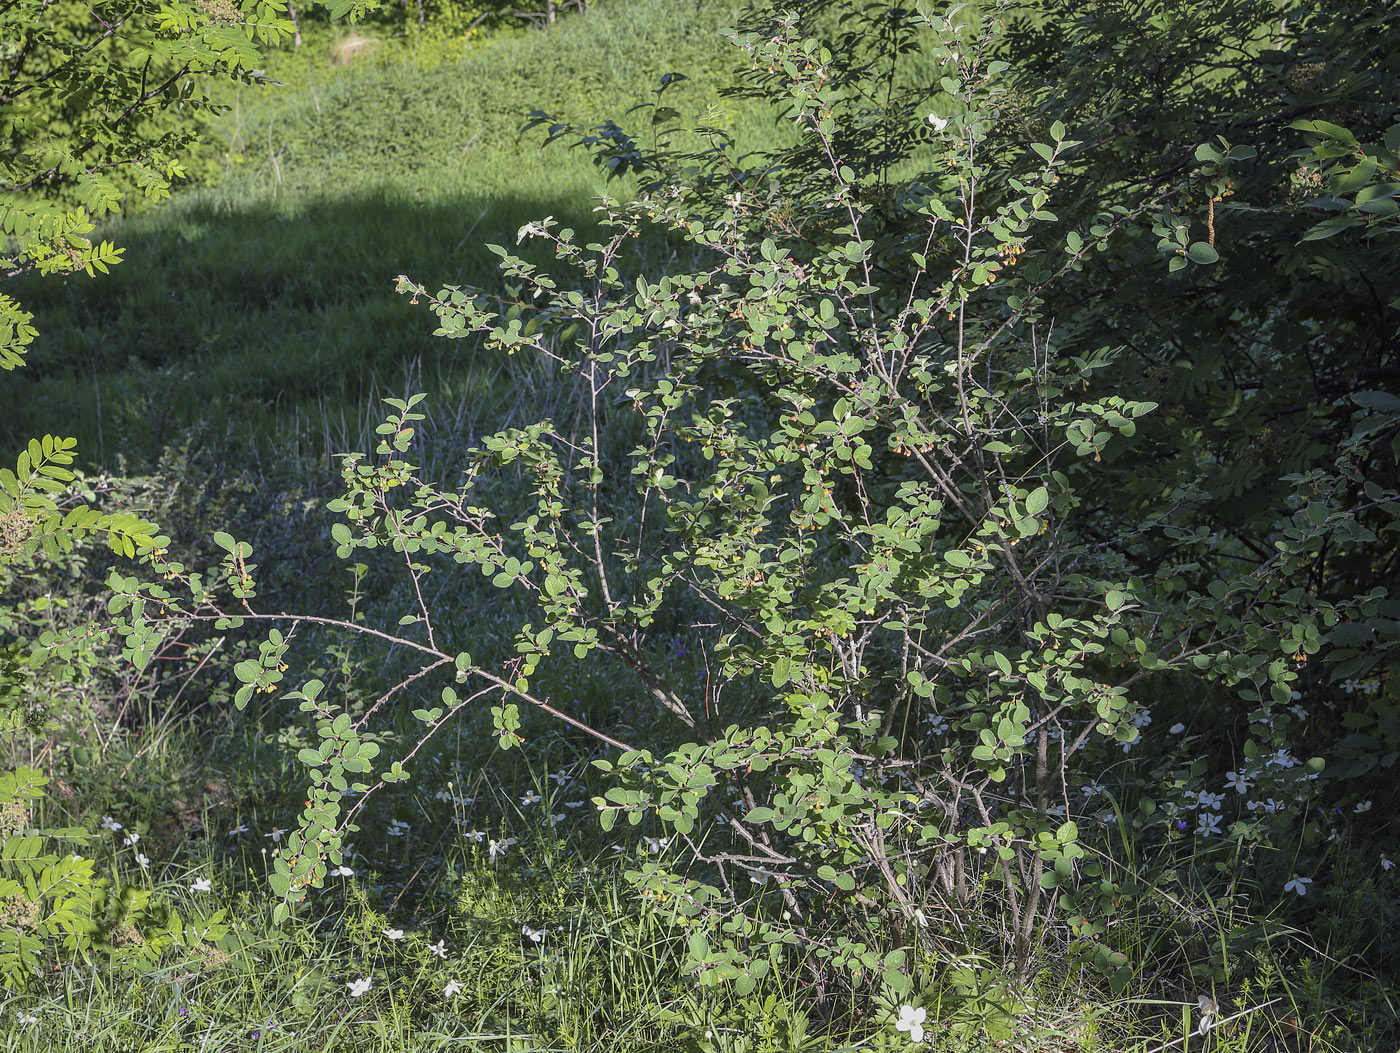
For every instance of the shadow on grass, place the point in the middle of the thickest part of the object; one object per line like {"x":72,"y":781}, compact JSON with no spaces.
{"x":274,"y":323}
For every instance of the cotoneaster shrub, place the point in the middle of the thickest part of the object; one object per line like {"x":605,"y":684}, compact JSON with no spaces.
{"x":860,"y":476}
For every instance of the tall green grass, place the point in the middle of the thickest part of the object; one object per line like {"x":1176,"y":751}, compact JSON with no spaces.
{"x":263,"y":304}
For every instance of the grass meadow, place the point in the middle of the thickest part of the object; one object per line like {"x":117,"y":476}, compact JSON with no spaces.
{"x":262,"y":304}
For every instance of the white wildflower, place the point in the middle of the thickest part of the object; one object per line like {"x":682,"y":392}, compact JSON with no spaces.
{"x":912,"y":1019}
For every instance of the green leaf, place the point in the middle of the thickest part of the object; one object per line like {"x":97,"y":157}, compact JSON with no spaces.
{"x":1382,"y":401}
{"x":1202,"y":252}
{"x":782,"y":670}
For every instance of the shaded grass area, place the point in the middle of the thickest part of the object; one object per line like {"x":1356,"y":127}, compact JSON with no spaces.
{"x":521,"y":941}
{"x":278,"y":323}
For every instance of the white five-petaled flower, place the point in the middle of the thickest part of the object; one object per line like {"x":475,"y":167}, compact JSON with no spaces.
{"x":343,"y":871}
{"x":1207,"y":823}
{"x":1283,"y":759}
{"x":1236,"y":781}
{"x":1142,"y":716}
{"x":108,"y":823}
{"x":530,"y":798}
{"x":559,"y":778}
{"x":1298,"y":884}
{"x":452,"y":990}
{"x":201,"y":885}
{"x":397,"y":828}
{"x":1209,"y":800}
{"x":656,"y":844}
{"x":394,"y":934}
{"x":557,"y":817}
{"x":533,"y":935}
{"x":444,"y":795}
{"x":734,"y":200}
{"x":1176,"y":729}
{"x":276,"y":835}
{"x":912,"y":1019}
{"x":143,"y":859}
{"x":475,"y":835}
{"x":939,"y":123}
{"x":360,"y":986}
{"x":1362,"y":806}
{"x":1386,"y":863}
{"x":131,"y":838}
{"x":439,"y":950}
{"x":26,"y":1018}
{"x":241,"y":828}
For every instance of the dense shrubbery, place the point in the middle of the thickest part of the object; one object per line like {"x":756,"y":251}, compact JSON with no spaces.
{"x":914,"y":554}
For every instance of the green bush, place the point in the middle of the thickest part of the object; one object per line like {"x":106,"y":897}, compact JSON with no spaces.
{"x":861,"y":475}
